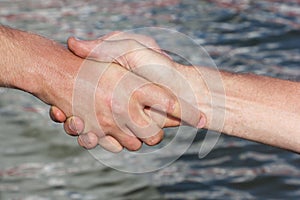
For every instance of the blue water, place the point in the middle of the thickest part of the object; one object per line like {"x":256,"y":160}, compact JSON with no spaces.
{"x":38,"y":161}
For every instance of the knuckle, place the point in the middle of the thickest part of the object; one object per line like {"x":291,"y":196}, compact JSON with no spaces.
{"x":118,"y":108}
{"x":82,"y":142}
{"x":133,"y":145}
{"x":139,"y":122}
{"x":104,"y":121}
{"x":169,"y":104}
{"x":155,"y":139}
{"x":108,"y":101}
{"x":115,"y":149}
{"x":135,"y":94}
{"x":139,"y":93}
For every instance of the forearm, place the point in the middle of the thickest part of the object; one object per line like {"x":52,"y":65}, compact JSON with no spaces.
{"x":7,"y":61}
{"x":36,"y":65}
{"x":257,"y":108}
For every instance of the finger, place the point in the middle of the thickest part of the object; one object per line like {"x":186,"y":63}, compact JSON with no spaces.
{"x":172,"y":108}
{"x":161,"y":100}
{"x":159,"y":117}
{"x":143,"y":39}
{"x":57,"y":115}
{"x":149,"y":113}
{"x":115,"y":36}
{"x":110,"y":144}
{"x":154,"y":139}
{"x":74,"y":126}
{"x":146,"y":41}
{"x":127,"y":139}
{"x":82,"y":48}
{"x":104,"y":51}
{"x":140,"y":124}
{"x":113,"y":48}
{"x":88,"y":140}
{"x":146,"y":129}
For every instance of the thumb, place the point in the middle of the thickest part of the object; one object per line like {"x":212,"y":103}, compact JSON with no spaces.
{"x":82,"y":48}
{"x":172,"y":110}
{"x":103,"y":50}
{"x":57,"y":115}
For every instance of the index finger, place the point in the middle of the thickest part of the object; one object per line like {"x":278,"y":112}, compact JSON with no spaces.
{"x":171,"y":108}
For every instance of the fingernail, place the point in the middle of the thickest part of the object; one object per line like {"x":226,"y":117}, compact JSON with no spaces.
{"x":72,"y":125}
{"x":87,"y":141}
{"x":82,"y":142}
{"x":202,"y":122}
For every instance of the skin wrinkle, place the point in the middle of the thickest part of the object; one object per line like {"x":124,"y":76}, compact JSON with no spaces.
{"x":209,"y":97}
{"x":161,"y":80}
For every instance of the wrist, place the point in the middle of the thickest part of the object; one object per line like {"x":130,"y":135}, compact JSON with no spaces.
{"x":8,"y":62}
{"x":208,"y":87}
{"x":37,"y":65}
{"x":21,"y":59}
{"x":56,"y":73}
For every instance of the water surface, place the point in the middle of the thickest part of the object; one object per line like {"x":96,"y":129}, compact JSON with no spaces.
{"x":38,"y":161}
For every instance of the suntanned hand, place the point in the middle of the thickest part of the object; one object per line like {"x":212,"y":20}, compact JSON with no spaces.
{"x":49,"y":71}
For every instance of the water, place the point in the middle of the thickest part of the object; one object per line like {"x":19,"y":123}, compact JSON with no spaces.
{"x":38,"y":161}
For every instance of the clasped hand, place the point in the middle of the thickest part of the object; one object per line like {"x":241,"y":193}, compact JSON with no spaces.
{"x":138,"y":92}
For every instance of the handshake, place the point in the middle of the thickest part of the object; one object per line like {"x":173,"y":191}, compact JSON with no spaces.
{"x":121,"y":90}
{"x":126,"y":91}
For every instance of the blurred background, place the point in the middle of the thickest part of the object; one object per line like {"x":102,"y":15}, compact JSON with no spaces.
{"x":39,"y":161}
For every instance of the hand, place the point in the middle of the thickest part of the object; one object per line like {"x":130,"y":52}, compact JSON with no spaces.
{"x":141,"y":55}
{"x":74,"y":125}
{"x":121,"y":114}
{"x":114,"y":48}
{"x":122,"y":108}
